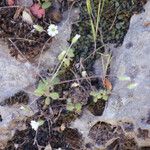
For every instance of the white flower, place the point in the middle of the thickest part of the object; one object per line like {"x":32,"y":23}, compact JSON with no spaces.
{"x":22,"y":108}
{"x":34,"y":125}
{"x":84,"y":74}
{"x":74,"y":84}
{"x":52,"y":30}
{"x":75,"y":38}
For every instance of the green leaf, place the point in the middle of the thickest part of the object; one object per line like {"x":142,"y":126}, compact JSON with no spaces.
{"x":55,"y":81}
{"x":88,"y":5}
{"x":26,"y":108}
{"x":41,"y":122}
{"x":105,"y":97}
{"x":99,"y":96}
{"x":93,"y":30}
{"x":69,"y":100}
{"x":70,"y":53}
{"x":38,"y":28}
{"x":95,"y":99}
{"x":93,"y":93}
{"x":78,"y":107}
{"x":61,"y":55}
{"x":70,"y":106}
{"x":124,"y":78}
{"x":46,"y":5}
{"x":38,"y":92}
{"x":75,"y":38}
{"x":102,"y":94}
{"x":54,"y":95}
{"x":132,"y":86}
{"x":66,"y":62}
{"x":47,"y":101}
{"x":41,"y":89}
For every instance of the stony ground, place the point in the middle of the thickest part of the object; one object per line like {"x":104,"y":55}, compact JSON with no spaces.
{"x":56,"y":131}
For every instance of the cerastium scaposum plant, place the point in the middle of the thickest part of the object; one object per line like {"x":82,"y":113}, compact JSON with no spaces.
{"x":46,"y":86}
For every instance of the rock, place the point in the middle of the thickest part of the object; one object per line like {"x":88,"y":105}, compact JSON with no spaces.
{"x":18,"y":76}
{"x":132,"y":60}
{"x":129,"y":104}
{"x":14,"y":75}
{"x":25,"y":3}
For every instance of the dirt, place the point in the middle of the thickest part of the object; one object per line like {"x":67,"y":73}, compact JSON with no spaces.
{"x":20,"y":97}
{"x":19,"y":36}
{"x":18,"y":33}
{"x":49,"y":132}
{"x":20,"y":39}
{"x":112,"y":137}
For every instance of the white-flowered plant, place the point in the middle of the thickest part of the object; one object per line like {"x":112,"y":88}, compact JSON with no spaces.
{"x":35,"y":124}
{"x":75,"y":38}
{"x":52,"y":30}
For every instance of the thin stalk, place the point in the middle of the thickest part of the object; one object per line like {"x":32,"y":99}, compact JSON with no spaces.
{"x":98,"y":17}
{"x":56,"y":73}
{"x":99,"y":13}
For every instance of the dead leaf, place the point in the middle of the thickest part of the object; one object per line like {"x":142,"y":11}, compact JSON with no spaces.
{"x":62,"y":127}
{"x":55,"y":15}
{"x":37,"y":11}
{"x":48,"y":147}
{"x":26,"y":17}
{"x":146,"y":24}
{"x":10,"y":2}
{"x":18,"y":12}
{"x":107,"y":84}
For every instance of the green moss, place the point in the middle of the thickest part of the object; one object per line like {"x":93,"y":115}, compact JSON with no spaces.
{"x":116,"y":18}
{"x":114,"y":24}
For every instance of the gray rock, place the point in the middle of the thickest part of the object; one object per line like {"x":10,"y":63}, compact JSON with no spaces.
{"x":26,"y":3}
{"x":132,"y":60}
{"x":126,"y":103}
{"x":18,"y":76}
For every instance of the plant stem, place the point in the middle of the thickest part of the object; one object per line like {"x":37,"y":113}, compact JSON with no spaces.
{"x":56,"y":73}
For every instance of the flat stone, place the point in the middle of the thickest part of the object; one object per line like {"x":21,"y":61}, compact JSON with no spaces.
{"x":18,"y":76}
{"x":129,"y":102}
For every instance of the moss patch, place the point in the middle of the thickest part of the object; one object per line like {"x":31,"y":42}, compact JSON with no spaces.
{"x":114,"y":23}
